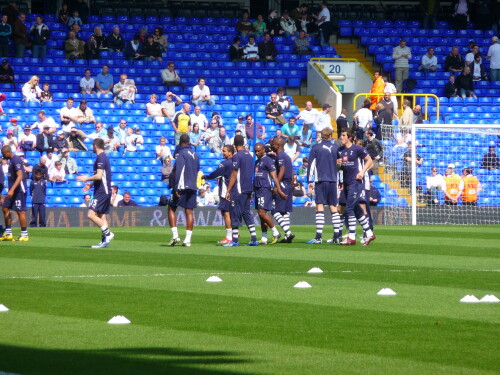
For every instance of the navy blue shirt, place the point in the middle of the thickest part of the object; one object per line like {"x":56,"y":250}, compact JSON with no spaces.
{"x":16,"y":164}
{"x":38,"y":189}
{"x":187,"y":166}
{"x":2,"y":178}
{"x":223,"y":173}
{"x":284,"y":161}
{"x":352,"y":162}
{"x":263,"y":168}
{"x":102,"y":186}
{"x":323,"y":162}
{"x":243,"y":163}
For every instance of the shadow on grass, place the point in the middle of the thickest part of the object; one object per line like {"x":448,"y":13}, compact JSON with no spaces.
{"x":129,"y":361}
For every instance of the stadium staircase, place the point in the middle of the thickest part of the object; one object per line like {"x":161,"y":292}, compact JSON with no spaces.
{"x":352,"y":51}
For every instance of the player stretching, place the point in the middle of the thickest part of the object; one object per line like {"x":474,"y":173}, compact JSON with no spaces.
{"x":101,"y":180}
{"x":355,"y":162}
{"x":187,"y":165}
{"x":323,"y":171}
{"x":265,"y":173}
{"x":283,"y":206}
{"x":223,"y":173}
{"x":240,"y":191}
{"x":16,"y":196}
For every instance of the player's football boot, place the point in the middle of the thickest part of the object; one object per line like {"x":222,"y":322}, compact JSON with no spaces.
{"x":223,"y":241}
{"x":99,"y":245}
{"x":348,"y":242}
{"x":186,"y":244}
{"x":334,"y":240}
{"x":368,"y":240}
{"x":262,"y":242}
{"x":253,"y":243}
{"x":288,"y":239}
{"x":231,"y":244}
{"x":315,"y":241}
{"x":23,"y":239}
{"x":7,"y":237}
{"x":275,"y":239}
{"x":108,"y":239}
{"x":174,"y":241}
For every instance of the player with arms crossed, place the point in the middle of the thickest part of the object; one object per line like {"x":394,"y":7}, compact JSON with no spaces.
{"x":223,"y":173}
{"x":283,"y":206}
{"x":240,"y":191}
{"x":16,"y":196}
{"x":265,"y":174}
{"x":186,"y":169}
{"x":101,"y":180}
{"x":323,"y":171}
{"x":355,"y":162}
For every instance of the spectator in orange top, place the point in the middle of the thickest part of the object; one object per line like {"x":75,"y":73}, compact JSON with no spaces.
{"x":471,"y":187}
{"x":378,"y":88}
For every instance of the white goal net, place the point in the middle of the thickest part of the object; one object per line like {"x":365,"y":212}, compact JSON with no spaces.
{"x":441,"y":174}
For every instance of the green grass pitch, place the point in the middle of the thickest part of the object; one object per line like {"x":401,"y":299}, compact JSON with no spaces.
{"x":61,"y":294}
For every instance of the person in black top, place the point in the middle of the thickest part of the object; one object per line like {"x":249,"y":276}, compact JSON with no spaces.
{"x":235,"y":50}
{"x":454,"y":62}
{"x":127,"y":201}
{"x":490,"y":160}
{"x":41,"y":167}
{"x":267,"y":49}
{"x":151,"y":49}
{"x":38,"y":191}
{"x":6,"y":72}
{"x":44,"y":140}
{"x":39,"y":33}
{"x":450,"y":89}
{"x":375,"y":196}
{"x":465,"y":84}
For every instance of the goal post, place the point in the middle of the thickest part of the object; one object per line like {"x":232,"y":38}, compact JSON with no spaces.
{"x":447,"y":175}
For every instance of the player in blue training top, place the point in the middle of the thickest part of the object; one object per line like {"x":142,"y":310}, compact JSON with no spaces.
{"x":240,"y":192}
{"x":265,"y":175}
{"x":323,"y":171}
{"x":101,"y":181}
{"x":187,"y":166}
{"x":283,"y":206}
{"x":355,"y":162}
{"x":223,"y":173}
{"x":16,"y":196}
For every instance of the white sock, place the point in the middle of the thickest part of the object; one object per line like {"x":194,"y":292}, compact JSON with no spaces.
{"x":175,"y":234}
{"x":188,"y":236}
{"x":264,"y":235}
{"x":352,"y":236}
{"x":275,"y":231}
{"x":229,"y":234}
{"x":368,"y":233}
{"x":104,"y":227}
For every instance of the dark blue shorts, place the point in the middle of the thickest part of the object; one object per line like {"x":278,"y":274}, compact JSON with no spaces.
{"x":342,"y":198}
{"x":364,"y":197}
{"x":326,"y":193}
{"x":187,"y":199}
{"x":17,"y":202}
{"x":263,"y":199}
{"x":284,"y":205}
{"x":353,"y":193}
{"x":240,"y":206}
{"x":224,"y":205}
{"x":101,"y":203}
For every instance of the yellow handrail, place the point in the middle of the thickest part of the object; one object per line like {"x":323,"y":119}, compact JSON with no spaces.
{"x":328,"y":79}
{"x":413,"y":96}
{"x":346,"y":59}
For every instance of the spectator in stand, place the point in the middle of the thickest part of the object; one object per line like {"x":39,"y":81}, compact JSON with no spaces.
{"x":99,"y":131}
{"x":291,"y":148}
{"x":251,"y":50}
{"x":450,"y":89}
{"x":68,"y":116}
{"x":267,"y":49}
{"x":151,"y":50}
{"x":220,"y":141}
{"x":14,"y":126}
{"x":41,"y":167}
{"x":434,"y":183}
{"x":121,"y":131}
{"x":5,"y":33}
{"x":364,"y":119}
{"x":115,"y":41}
{"x":298,"y":187}
{"x":391,"y":89}
{"x":418,"y":116}
{"x":307,"y":25}
{"x":86,"y":201}
{"x":124,"y":91}
{"x":162,"y":150}
{"x":27,"y":140}
{"x":302,"y":172}
{"x":91,"y":48}
{"x":111,"y":141}
{"x":170,"y":77}
{"x":325,"y":25}
{"x":201,"y":93}
{"x":305,"y":136}
{"x":407,"y":162}
{"x":160,"y":38}
{"x":153,"y":109}
{"x":57,"y":173}
{"x":44,"y":120}
{"x":375,"y":196}
{"x":382,"y":116}
{"x":87,"y":83}
{"x":76,"y":29}
{"x":402,"y":55}
{"x":296,"y":13}
{"x":469,"y":57}
{"x":39,"y":33}
{"x":68,"y":163}
{"x":244,"y":26}
{"x":75,"y":19}
{"x":104,"y":81}
{"x":308,"y":115}
{"x":46,"y":95}
{"x":31,"y":90}
{"x":407,"y":117}
{"x":287,"y":25}
{"x":374,"y":149}
{"x":342,"y":122}
{"x":301,"y":44}
{"x":168,"y":105}
{"x":250,"y":129}
{"x":127,"y":201}
{"x":100,"y":38}
{"x":490,"y":160}
{"x":166,"y":170}
{"x":283,"y":99}
{"x":273,"y":24}
{"x":460,"y":14}
{"x":76,"y":140}
{"x":10,"y":140}
{"x":199,"y":118}
{"x":494,"y":56}
{"x":201,"y":200}
{"x":323,"y":120}
{"x":259,"y":26}
{"x":377,"y":89}
{"x":454,"y":62}
{"x":74,"y":47}
{"x":181,"y":122}
{"x":60,"y":142}
{"x":429,"y":61}
{"x":20,"y":35}
{"x":134,"y":49}
{"x":211,"y":133}
{"x":143,"y":31}
{"x":388,"y":105}
{"x":115,"y":196}
{"x":465,"y":84}
{"x":274,"y":110}
{"x":291,"y":129}
{"x":133,"y":139}
{"x":84,"y":114}
{"x":477,"y":69}
{"x":11,"y":11}
{"x":83,"y":10}
{"x":6,"y":72}
{"x":236,"y":50}
{"x":429,"y":9}
{"x":195,"y":136}
{"x":240,"y":125}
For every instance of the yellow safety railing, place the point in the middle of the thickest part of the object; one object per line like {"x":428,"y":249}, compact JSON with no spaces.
{"x":328,"y":79}
{"x":405,"y":96}
{"x":346,"y":59}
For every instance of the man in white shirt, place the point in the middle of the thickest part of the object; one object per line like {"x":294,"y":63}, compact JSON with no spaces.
{"x":87,"y":83}
{"x":168,"y":105}
{"x":323,"y":24}
{"x":115,"y":197}
{"x":364,"y":117}
{"x":429,"y":61}
{"x":494,"y":56}
{"x":201,"y":93}
{"x":43,"y":120}
{"x":435,"y":182}
{"x":133,"y":139}
{"x":308,"y":115}
{"x":469,"y":58}
{"x":291,"y":148}
{"x":27,"y":140}
{"x":199,"y":118}
{"x":99,"y":131}
{"x":69,"y":117}
{"x":323,"y":119}
{"x":170,"y":77}
{"x":162,"y":150}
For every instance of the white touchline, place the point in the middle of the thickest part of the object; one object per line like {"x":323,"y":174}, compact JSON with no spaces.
{"x":7,"y":373}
